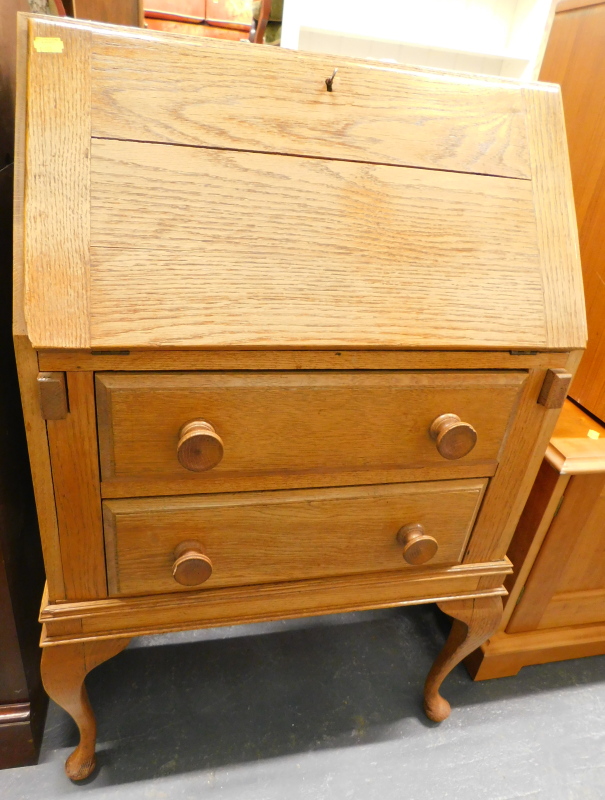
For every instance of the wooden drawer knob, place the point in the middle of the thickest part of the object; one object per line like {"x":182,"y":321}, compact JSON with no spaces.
{"x":418,"y":546}
{"x":200,"y":447}
{"x":191,"y":565}
{"x":454,"y":438}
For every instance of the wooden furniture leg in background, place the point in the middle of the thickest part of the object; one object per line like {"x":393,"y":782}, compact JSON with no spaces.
{"x":474,"y":621}
{"x":64,"y":668}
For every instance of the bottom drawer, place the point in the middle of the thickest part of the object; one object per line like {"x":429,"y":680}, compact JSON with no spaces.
{"x":263,"y":537}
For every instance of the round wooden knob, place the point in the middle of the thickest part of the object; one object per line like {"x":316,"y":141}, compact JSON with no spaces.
{"x":200,"y":447}
{"x":418,"y":546}
{"x":191,"y":565}
{"x":454,"y":438}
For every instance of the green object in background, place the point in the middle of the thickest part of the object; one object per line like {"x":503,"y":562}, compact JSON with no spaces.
{"x":273,"y":32}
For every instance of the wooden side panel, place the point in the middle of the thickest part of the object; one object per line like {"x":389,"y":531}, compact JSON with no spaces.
{"x":526,"y":442}
{"x":27,"y":362}
{"x":272,"y":100}
{"x":557,"y":552}
{"x":58,"y":185}
{"x":585,"y":571}
{"x":556,"y":219}
{"x":52,"y":392}
{"x":254,"y":538}
{"x":574,"y":608}
{"x":39,"y":459}
{"x":343,"y":254}
{"x":75,"y":464}
{"x":574,"y":58}
{"x":534,"y":522}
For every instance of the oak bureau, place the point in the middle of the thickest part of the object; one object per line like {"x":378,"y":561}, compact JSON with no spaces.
{"x":293,"y":332}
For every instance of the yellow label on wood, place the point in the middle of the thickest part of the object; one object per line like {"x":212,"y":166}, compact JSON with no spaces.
{"x":593,"y":434}
{"x":48,"y":44}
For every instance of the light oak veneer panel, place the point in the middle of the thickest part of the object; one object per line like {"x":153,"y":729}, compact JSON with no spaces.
{"x":241,"y":604}
{"x":154,"y":360}
{"x":57,"y":197}
{"x":75,"y":467}
{"x":196,"y":247}
{"x":284,"y":424}
{"x":556,"y":219}
{"x":234,"y":96}
{"x":255,"y":538}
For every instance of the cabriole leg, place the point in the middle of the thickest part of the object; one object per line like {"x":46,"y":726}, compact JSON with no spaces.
{"x":64,"y":667}
{"x":474,"y":621}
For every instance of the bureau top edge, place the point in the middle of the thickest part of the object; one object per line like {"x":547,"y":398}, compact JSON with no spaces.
{"x":226,"y":244}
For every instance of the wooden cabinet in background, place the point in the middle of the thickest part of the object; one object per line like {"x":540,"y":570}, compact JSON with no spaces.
{"x":117,"y":12}
{"x":556,"y":606}
{"x":575,"y":59}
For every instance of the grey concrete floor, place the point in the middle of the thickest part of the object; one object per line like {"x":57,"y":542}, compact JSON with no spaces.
{"x":325,"y":708}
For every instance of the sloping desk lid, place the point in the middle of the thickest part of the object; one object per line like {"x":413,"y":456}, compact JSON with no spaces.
{"x":187,"y":193}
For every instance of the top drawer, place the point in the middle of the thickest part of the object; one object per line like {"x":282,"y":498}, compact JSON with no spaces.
{"x":288,"y":429}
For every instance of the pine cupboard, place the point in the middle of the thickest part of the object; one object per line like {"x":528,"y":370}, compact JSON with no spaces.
{"x":556,"y":606}
{"x":286,"y":347}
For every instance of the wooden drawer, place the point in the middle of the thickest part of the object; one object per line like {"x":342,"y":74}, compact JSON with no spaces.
{"x":287,"y":429}
{"x":254,"y":538}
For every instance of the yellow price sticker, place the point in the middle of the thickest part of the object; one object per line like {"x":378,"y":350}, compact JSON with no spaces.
{"x":593,"y":434}
{"x":48,"y":44}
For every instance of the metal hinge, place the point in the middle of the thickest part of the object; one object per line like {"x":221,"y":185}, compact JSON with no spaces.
{"x":52,"y":389}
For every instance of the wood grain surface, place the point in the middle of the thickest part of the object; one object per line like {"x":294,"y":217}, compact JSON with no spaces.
{"x":129,"y":616}
{"x":343,"y":254}
{"x":52,"y":394}
{"x":58,"y":188}
{"x":286,"y":423}
{"x":40,"y":465}
{"x":520,"y":461}
{"x":542,"y":505}
{"x":255,"y":538}
{"x":556,"y":219}
{"x":63,"y":672}
{"x":170,"y":359}
{"x":228,"y":95}
{"x":557,"y":555}
{"x":346,"y":253}
{"x":574,"y":58}
{"x":578,"y":442}
{"x":75,"y":464}
{"x":505,"y":654}
{"x":474,"y":621}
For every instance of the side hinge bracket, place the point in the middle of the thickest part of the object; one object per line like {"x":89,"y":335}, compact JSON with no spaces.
{"x":52,"y":389}
{"x":555,"y":387}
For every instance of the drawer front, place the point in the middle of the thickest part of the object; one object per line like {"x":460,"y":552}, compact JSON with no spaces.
{"x":278,"y":426}
{"x":265,"y":537}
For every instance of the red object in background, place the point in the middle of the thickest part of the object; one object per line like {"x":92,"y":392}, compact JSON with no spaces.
{"x":224,"y":19}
